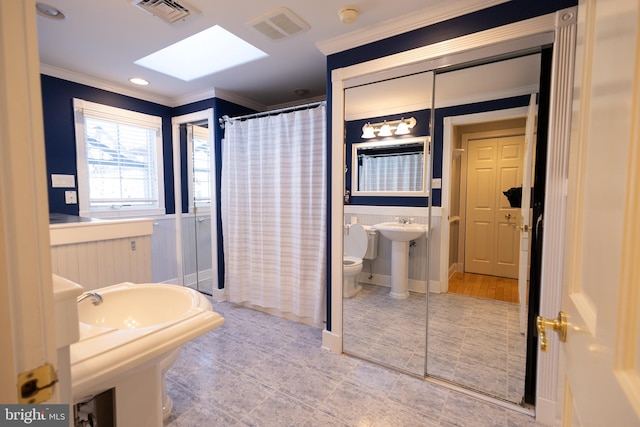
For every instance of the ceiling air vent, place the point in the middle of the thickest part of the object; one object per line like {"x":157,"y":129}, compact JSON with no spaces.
{"x":170,"y":11}
{"x":279,"y":24}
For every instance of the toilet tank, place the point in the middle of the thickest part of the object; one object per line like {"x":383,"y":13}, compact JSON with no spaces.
{"x":372,"y":240}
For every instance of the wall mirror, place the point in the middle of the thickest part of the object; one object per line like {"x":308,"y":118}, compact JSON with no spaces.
{"x":396,"y":167}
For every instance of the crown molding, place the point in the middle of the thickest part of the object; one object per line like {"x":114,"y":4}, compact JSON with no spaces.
{"x":84,"y":79}
{"x":240,"y":100}
{"x":403,"y":24}
{"x":193,"y":97}
{"x":297,"y":102}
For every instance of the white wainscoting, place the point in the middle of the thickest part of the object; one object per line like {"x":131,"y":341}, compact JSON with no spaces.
{"x":102,"y":261}
{"x":197,"y":248}
{"x":99,"y":263}
{"x":378,"y":271}
{"x":164,"y":268}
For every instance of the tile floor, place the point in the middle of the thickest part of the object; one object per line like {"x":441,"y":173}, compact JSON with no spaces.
{"x":262,"y":370}
{"x":475,"y":342}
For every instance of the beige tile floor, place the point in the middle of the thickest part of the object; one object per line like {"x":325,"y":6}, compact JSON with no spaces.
{"x":262,"y":370}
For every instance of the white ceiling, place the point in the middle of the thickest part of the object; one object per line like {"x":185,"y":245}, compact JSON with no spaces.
{"x":99,"y":40}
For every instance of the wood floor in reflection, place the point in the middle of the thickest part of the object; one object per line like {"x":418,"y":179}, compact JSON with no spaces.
{"x":478,"y":285}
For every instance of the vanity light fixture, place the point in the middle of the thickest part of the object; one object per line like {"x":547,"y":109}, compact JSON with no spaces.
{"x":397,"y":127}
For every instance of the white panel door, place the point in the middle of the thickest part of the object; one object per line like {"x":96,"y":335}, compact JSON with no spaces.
{"x":27,"y":329}
{"x":494,"y":164}
{"x":600,"y":361}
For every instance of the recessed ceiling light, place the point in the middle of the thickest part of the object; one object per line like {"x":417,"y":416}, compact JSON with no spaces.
{"x":207,"y":52}
{"x":138,"y":81}
{"x":49,"y":11}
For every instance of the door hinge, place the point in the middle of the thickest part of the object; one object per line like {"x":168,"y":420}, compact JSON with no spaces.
{"x":37,"y":385}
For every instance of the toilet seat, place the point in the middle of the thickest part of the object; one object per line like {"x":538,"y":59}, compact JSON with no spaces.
{"x":356,"y":242}
{"x":351,"y":261}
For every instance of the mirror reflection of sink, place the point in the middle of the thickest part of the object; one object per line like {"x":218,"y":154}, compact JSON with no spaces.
{"x":400,"y":235}
{"x":401,"y":232}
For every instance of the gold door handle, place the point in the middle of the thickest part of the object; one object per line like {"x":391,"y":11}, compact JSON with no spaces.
{"x":558,"y":324}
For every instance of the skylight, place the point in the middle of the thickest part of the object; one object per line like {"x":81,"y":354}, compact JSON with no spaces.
{"x":207,"y":52}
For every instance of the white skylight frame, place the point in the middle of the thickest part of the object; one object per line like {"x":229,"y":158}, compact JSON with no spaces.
{"x":204,"y":53}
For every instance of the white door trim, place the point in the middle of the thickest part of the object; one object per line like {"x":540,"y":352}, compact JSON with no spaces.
{"x":27,"y":327}
{"x":563,"y":25}
{"x":177,"y":186}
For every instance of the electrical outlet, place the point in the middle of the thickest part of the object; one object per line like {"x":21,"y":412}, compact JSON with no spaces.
{"x":133,"y":245}
{"x":71,"y":197}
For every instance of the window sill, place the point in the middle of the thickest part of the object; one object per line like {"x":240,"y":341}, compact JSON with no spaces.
{"x":112,"y":213}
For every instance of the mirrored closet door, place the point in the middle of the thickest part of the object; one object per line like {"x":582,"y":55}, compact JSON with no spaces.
{"x":386,"y":217}
{"x":477,"y":322}
{"x":450,"y":303}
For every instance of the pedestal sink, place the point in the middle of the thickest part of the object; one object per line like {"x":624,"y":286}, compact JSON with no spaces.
{"x":400,"y":235}
{"x":129,"y":341}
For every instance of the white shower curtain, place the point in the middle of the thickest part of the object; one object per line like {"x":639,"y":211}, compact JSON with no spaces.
{"x":274,"y":212}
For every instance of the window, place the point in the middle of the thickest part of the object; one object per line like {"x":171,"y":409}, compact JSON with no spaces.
{"x":199,"y":167}
{"x":119,"y":155}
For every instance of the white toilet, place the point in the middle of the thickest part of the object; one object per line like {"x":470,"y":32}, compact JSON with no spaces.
{"x":360,"y":242}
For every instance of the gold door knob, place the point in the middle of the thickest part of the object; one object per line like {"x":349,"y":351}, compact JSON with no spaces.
{"x":558,"y":324}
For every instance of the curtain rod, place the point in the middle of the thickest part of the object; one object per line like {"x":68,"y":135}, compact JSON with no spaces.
{"x":225,"y":119}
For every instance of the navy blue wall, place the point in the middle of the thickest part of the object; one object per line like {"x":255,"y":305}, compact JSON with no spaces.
{"x":503,"y":14}
{"x":353,"y":135}
{"x":60,"y":140}
{"x":60,"y":137}
{"x":221,"y":108}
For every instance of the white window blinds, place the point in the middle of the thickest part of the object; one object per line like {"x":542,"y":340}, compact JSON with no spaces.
{"x":201,"y":166}
{"x":119,"y":161}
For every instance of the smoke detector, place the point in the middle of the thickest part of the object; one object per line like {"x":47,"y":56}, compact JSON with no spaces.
{"x":348,"y":15}
{"x":170,"y":11}
{"x":279,"y":24}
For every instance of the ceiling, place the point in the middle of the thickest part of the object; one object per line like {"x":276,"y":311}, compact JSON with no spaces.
{"x":98,"y":42}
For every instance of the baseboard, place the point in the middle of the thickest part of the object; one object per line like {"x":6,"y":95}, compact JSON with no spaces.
{"x":419,"y":286}
{"x":331,"y":342}
{"x":546,"y":412}
{"x":219,"y":295}
{"x":192,"y":279}
{"x":456,"y":267}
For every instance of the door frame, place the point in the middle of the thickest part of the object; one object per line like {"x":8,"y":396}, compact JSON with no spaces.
{"x":561,"y":28}
{"x":449,"y":127}
{"x":208,"y":115}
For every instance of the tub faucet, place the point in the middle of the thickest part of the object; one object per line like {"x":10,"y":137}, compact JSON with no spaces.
{"x":96,"y":298}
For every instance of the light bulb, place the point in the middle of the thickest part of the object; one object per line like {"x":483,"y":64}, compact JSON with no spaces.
{"x":385,"y":130}
{"x":403,"y":128}
{"x":367,"y":131}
